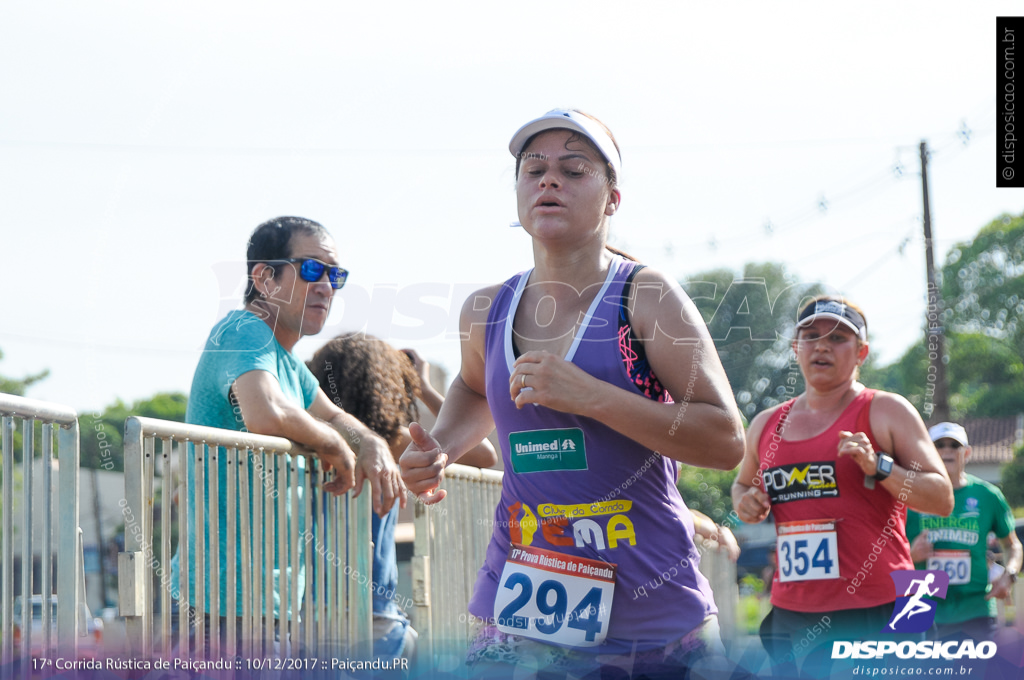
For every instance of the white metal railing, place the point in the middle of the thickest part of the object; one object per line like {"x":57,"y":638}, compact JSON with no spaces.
{"x":450,"y":547}
{"x":720,"y":571}
{"x":70,"y":570}
{"x":325,"y":536}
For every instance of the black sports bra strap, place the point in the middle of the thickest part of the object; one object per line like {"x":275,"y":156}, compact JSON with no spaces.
{"x":624,"y":302}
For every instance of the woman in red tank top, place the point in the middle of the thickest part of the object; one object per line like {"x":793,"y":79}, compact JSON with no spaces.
{"x":837,"y":466}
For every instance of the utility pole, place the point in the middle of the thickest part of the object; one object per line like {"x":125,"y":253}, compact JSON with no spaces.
{"x":936,"y":406}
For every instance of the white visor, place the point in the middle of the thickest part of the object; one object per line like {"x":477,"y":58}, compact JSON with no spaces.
{"x":570,"y":120}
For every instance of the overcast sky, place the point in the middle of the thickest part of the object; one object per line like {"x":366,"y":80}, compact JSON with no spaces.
{"x":141,"y":143}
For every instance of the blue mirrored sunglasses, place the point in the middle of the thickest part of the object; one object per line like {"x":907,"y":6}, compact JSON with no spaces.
{"x":313,"y":270}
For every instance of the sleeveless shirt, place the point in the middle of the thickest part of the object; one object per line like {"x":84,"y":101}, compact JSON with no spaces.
{"x":811,"y":486}
{"x":610,"y":499}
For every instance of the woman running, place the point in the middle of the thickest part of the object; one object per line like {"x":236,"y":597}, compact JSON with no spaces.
{"x":574,"y":361}
{"x":838,"y":467}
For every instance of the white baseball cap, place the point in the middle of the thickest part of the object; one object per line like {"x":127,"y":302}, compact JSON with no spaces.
{"x":948,"y":430}
{"x":570,"y":120}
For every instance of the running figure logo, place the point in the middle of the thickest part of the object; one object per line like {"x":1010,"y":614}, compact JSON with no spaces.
{"x":914,"y":613}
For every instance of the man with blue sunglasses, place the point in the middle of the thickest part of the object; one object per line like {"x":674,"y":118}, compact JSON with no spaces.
{"x":249,"y":380}
{"x":293,"y":274}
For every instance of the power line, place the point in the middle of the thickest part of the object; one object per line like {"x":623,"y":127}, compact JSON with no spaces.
{"x":241,"y":150}
{"x":952,"y":144}
{"x":875,"y":266}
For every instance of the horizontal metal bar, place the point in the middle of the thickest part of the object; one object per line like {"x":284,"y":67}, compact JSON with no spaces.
{"x":44,"y":411}
{"x":465,"y":472}
{"x":211,"y":436}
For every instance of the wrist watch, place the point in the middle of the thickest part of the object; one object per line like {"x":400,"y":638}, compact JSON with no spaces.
{"x":883,"y":467}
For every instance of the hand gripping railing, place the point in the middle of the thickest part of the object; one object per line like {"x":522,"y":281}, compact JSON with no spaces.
{"x":274,"y":503}
{"x":69,"y":556}
{"x":450,"y":546}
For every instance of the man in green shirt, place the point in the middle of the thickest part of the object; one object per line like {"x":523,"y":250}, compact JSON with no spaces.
{"x":957,"y":544}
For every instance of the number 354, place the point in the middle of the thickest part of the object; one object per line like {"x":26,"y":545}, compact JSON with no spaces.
{"x":796,"y":557}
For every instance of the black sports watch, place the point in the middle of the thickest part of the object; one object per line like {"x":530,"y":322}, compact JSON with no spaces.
{"x":883,"y":468}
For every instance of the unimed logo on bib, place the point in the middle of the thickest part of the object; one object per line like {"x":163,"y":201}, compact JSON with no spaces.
{"x":547,"y":450}
{"x":915,"y":608}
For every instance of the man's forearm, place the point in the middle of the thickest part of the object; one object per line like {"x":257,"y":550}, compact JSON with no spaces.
{"x":351,"y":430}
{"x":1014,"y":557}
{"x":294,"y":424}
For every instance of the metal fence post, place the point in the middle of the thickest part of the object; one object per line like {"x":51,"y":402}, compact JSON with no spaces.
{"x":131,"y":591}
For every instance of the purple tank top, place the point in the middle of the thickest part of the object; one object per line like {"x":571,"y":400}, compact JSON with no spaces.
{"x":604,"y":497}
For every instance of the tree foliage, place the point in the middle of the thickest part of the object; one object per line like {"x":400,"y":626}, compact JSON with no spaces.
{"x":17,"y":386}
{"x":751,"y":317}
{"x":982,"y":290}
{"x":983,"y":282}
{"x":985,"y":375}
{"x":102,"y":434}
{"x":707,"y":491}
{"x":1012,"y":479}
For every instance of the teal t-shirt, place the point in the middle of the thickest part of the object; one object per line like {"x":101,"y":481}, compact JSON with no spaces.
{"x":240,"y":343}
{"x":960,"y":545}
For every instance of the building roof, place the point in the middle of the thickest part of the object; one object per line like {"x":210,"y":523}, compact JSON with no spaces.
{"x":993,"y":440}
